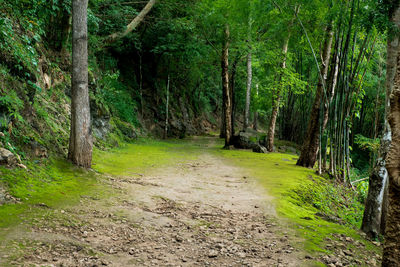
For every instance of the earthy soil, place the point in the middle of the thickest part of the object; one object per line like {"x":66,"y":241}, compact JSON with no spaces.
{"x":205,"y":212}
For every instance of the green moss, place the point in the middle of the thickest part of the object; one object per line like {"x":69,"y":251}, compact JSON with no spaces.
{"x":281,"y":177}
{"x":135,"y":159}
{"x":53,"y":185}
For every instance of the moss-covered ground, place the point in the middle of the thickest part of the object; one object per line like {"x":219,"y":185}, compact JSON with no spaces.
{"x":56,"y":183}
{"x":281,"y":178}
{"x":134,"y":159}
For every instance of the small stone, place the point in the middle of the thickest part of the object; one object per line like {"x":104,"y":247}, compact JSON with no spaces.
{"x":212,"y":253}
{"x":242,"y":255}
{"x":347,"y":252}
{"x":179,"y":239}
{"x":22,"y":166}
{"x":376,"y":243}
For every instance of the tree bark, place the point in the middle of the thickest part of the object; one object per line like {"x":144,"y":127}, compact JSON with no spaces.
{"x":227,"y":97}
{"x":374,"y":214}
{"x":255,"y":121}
{"x":134,"y":23}
{"x":81,"y":144}
{"x":232,"y":86}
{"x":249,"y":79}
{"x":248,"y":91}
{"x":392,"y":233}
{"x":311,"y":145}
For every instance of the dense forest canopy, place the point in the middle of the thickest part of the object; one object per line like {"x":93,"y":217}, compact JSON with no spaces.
{"x":315,"y":77}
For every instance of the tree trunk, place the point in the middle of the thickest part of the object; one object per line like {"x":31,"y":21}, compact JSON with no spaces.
{"x":309,"y":152}
{"x":81,"y":144}
{"x":248,"y":92}
{"x":226,"y":89}
{"x":374,"y":214}
{"x":272,"y":123}
{"x":392,"y":233}
{"x":276,"y":100}
{"x":277,"y":95}
{"x":255,"y":121}
{"x":232,"y":85}
{"x":166,"y":111}
{"x":249,"y":80}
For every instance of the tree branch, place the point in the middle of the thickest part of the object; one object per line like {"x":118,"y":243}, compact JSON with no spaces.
{"x":134,"y":23}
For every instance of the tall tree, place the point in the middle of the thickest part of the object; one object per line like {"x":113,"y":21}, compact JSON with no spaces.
{"x":278,"y":91}
{"x":309,"y":152}
{"x":373,"y":223}
{"x":249,"y":77}
{"x":80,"y":144}
{"x":392,"y":233}
{"x":227,"y":97}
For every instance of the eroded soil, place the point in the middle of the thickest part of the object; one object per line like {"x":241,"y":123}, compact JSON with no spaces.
{"x":205,"y":212}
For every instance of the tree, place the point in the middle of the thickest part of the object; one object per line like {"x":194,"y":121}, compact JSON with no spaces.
{"x":374,"y":218}
{"x":249,"y":77}
{"x":80,"y":144}
{"x":309,"y":152}
{"x":392,"y":232}
{"x":278,"y":91}
{"x":227,"y":96}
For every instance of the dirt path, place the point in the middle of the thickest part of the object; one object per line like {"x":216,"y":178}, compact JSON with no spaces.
{"x":202,"y":213}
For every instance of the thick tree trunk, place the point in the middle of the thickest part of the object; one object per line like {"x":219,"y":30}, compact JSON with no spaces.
{"x":391,"y":256}
{"x":375,"y":207}
{"x":226,"y":89}
{"x":81,"y":144}
{"x":311,"y":145}
{"x":372,"y":219}
{"x":277,"y":95}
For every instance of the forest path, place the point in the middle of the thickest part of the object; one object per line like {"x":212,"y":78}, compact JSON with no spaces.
{"x":200,"y":212}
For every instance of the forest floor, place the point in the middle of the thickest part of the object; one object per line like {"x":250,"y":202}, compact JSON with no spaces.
{"x":187,"y":204}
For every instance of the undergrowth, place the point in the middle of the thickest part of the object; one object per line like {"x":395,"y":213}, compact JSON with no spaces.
{"x":334,"y":202}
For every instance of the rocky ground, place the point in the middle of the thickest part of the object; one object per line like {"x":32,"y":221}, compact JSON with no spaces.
{"x":205,"y":212}
{"x":201,"y":213}
{"x":347,"y":252}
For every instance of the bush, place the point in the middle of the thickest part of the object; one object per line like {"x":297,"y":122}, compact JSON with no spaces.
{"x":114,"y":95}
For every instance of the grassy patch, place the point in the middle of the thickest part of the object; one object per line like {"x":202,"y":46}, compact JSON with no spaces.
{"x":136,"y":158}
{"x":57,"y":183}
{"x":52,"y":185}
{"x":281,"y":177}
